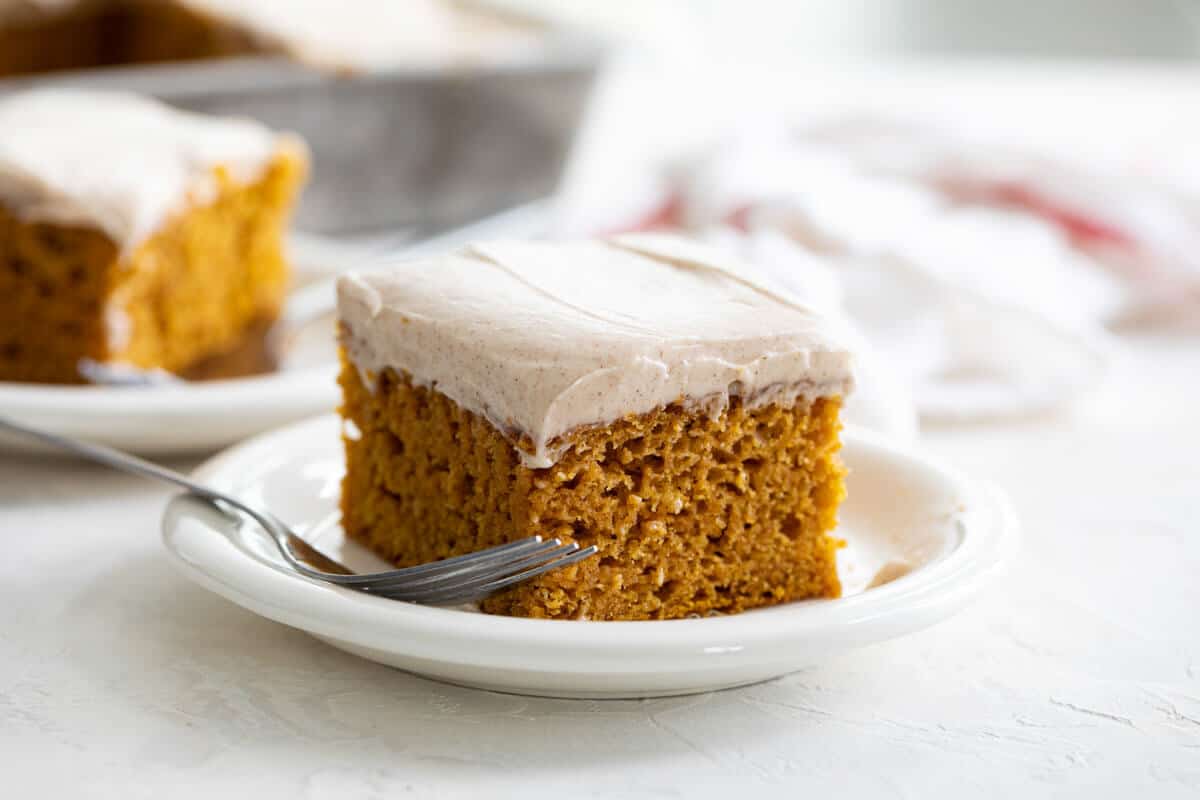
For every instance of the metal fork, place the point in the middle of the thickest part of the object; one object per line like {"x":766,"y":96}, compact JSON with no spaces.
{"x":453,"y":581}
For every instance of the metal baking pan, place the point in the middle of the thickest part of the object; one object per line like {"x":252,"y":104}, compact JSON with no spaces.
{"x":418,"y":148}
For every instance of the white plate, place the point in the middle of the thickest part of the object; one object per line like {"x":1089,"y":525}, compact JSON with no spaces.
{"x":902,"y":509}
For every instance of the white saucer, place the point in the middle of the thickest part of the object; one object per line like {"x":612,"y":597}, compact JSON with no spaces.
{"x":180,"y":418}
{"x":949,"y":534}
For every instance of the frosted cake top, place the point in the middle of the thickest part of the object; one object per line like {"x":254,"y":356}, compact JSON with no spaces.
{"x":544,"y":338}
{"x":119,"y":162}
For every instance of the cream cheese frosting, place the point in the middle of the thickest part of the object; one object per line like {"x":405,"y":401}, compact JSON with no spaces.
{"x":119,"y":162}
{"x":545,"y":338}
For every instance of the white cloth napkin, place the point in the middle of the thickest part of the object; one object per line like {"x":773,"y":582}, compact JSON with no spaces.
{"x":1133,"y":210}
{"x":985,"y":281}
{"x":882,"y":399}
{"x":926,"y":346}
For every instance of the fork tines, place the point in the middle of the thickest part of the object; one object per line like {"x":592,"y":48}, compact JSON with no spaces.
{"x":462,"y":579}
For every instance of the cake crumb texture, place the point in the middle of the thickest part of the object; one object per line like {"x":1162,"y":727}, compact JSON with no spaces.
{"x":188,"y":292}
{"x":692,"y":515}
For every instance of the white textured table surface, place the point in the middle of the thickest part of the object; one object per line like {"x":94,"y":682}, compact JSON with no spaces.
{"x":1078,"y":675}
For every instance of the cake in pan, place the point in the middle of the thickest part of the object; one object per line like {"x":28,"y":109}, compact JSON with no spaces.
{"x":48,"y":35}
{"x":641,"y":394}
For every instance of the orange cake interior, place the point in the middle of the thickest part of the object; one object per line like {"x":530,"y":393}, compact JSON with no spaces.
{"x":691,"y":515}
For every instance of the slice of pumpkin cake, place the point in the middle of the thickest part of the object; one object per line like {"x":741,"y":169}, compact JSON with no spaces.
{"x":641,"y":394}
{"x":135,"y":234}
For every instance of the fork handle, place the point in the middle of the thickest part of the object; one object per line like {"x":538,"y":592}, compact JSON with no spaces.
{"x":111,"y":457}
{"x":127,"y":463}
{"x":291,"y":546}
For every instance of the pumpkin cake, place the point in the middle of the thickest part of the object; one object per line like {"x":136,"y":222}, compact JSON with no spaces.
{"x":133,"y":234}
{"x":343,"y":35}
{"x":641,"y":394}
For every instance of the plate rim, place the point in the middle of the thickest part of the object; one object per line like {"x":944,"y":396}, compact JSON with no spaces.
{"x":190,"y":398}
